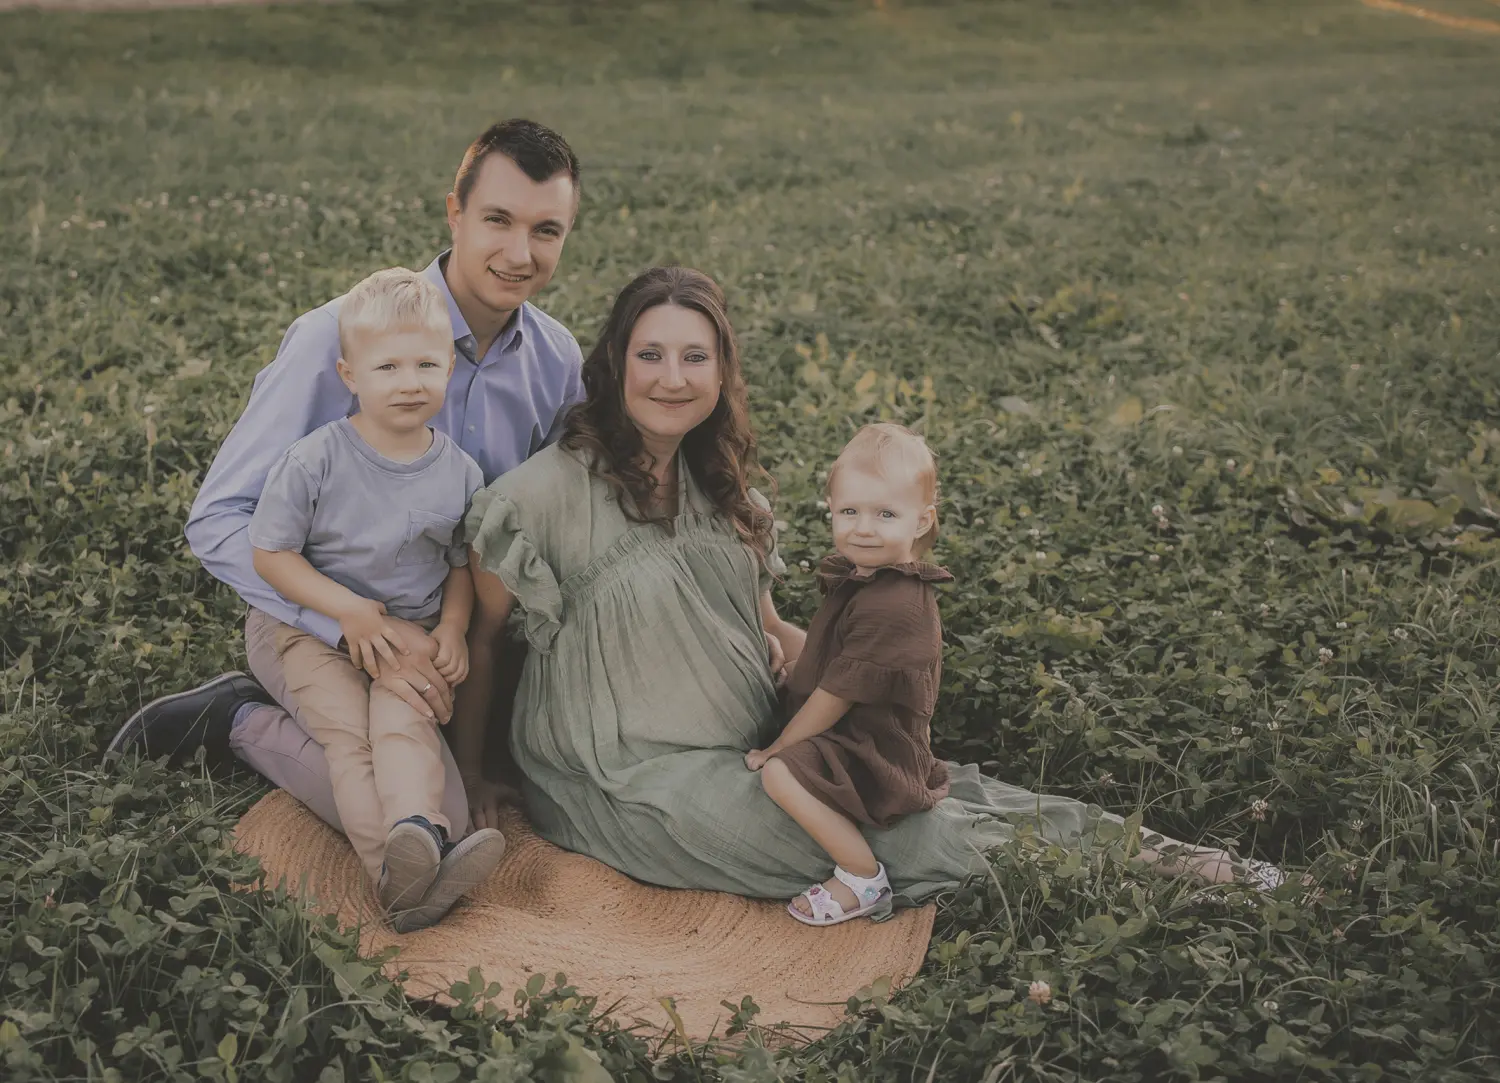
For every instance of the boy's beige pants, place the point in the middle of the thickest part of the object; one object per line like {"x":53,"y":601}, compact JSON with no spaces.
{"x":385,"y":760}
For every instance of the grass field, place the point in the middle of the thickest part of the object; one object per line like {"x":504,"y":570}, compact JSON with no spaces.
{"x":1198,"y":301}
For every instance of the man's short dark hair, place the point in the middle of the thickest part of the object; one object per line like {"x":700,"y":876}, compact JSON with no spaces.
{"x":539,"y":151}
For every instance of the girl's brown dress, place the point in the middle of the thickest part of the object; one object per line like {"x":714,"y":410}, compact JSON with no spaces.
{"x":877,"y":641}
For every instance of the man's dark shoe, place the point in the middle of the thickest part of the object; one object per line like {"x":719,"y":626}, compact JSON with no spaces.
{"x":177,"y":725}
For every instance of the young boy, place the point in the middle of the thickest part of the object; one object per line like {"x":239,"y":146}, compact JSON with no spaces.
{"x":360,"y":520}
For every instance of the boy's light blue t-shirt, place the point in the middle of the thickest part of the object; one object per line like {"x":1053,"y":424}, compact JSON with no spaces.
{"x":387,"y":530}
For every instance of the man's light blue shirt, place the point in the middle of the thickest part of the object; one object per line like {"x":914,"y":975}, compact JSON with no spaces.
{"x":501,"y":408}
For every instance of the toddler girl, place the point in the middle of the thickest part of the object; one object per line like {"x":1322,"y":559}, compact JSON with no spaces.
{"x":856,"y":750}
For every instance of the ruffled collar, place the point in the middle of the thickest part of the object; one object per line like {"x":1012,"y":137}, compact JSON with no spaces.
{"x":836,"y":570}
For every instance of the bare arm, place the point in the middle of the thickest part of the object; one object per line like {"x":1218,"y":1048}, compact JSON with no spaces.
{"x":458,"y":599}
{"x":471,"y":707}
{"x":819,"y":713}
{"x":791,"y":638}
{"x":298,"y":581}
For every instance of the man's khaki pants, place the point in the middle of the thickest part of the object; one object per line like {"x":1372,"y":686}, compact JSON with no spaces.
{"x":385,"y":760}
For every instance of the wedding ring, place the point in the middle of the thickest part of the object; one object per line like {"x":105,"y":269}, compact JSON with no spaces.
{"x":427,"y":688}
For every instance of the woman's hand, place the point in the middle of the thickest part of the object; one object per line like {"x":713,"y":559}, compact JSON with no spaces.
{"x":415,"y":678}
{"x":756,"y":758}
{"x":776,"y":656}
{"x":452,"y":658}
{"x":486,"y":798}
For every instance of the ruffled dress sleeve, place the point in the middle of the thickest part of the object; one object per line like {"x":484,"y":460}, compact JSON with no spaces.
{"x":493,"y":528}
{"x":773,"y":566}
{"x":892,"y":648}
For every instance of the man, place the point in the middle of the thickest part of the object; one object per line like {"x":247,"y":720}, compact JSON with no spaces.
{"x":516,"y":373}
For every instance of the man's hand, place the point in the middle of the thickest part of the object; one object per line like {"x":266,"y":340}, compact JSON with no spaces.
{"x":415,"y":678}
{"x":368,"y":634}
{"x":756,"y":758}
{"x":452,"y":658}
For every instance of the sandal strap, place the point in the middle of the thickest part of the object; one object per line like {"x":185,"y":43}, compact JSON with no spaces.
{"x":867,"y":889}
{"x":824,"y":906}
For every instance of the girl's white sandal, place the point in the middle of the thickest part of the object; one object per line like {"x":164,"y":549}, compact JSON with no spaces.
{"x":873,"y":893}
{"x":1264,"y":876}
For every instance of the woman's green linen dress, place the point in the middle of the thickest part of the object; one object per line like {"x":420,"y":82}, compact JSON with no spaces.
{"x":648,"y":681}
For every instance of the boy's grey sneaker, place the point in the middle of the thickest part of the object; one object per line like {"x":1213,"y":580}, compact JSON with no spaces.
{"x":177,"y":725}
{"x":413,"y":850}
{"x":465,"y":866}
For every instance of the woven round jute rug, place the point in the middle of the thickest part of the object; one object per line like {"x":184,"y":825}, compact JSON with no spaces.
{"x":630,"y":944}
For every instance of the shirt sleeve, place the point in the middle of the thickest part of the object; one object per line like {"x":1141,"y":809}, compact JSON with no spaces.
{"x":458,"y":552}
{"x":773,"y":565}
{"x":891,"y":650}
{"x":295,"y":394}
{"x":283,"y":515}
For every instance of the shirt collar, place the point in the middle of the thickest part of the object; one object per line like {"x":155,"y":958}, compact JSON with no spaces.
{"x":510,"y":337}
{"x":836,"y":570}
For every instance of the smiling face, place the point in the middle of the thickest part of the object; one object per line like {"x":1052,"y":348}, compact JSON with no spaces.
{"x":672,"y":375}
{"x":400,"y":376}
{"x":877,"y":520}
{"x":507,"y":238}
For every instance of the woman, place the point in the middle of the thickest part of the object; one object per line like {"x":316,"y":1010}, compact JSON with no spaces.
{"x":641,"y":560}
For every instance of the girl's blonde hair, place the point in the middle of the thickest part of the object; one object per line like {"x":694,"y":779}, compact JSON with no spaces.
{"x":897,"y":454}
{"x":391,"y":300}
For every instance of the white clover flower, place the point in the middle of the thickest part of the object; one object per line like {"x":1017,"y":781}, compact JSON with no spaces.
{"x":1039,"y":555}
{"x":1401,"y":633}
{"x":1270,"y":1006}
{"x":1176,"y":449}
{"x":1324,"y":655}
{"x":1229,"y":464}
{"x":804,"y":565}
{"x":1154,"y":559}
{"x":1218,"y":613}
{"x":1356,"y":824}
{"x":1040,"y":992}
{"x":1106,"y":778}
{"x":1158,"y":511}
{"x":1273,"y":725}
{"x":1341,"y":625}
{"x":1258,"y":809}
{"x":1265,"y":608}
{"x":1235,"y":731}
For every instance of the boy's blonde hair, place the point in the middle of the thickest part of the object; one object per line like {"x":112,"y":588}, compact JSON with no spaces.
{"x":898,"y":454}
{"x":396,"y":299}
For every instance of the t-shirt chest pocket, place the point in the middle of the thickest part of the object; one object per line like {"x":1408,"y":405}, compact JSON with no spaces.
{"x":428,"y":538}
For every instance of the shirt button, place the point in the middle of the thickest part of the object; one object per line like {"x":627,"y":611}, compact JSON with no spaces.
{"x":471,"y":428}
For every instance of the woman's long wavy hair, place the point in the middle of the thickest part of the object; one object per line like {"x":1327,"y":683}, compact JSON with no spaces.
{"x":719,"y":452}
